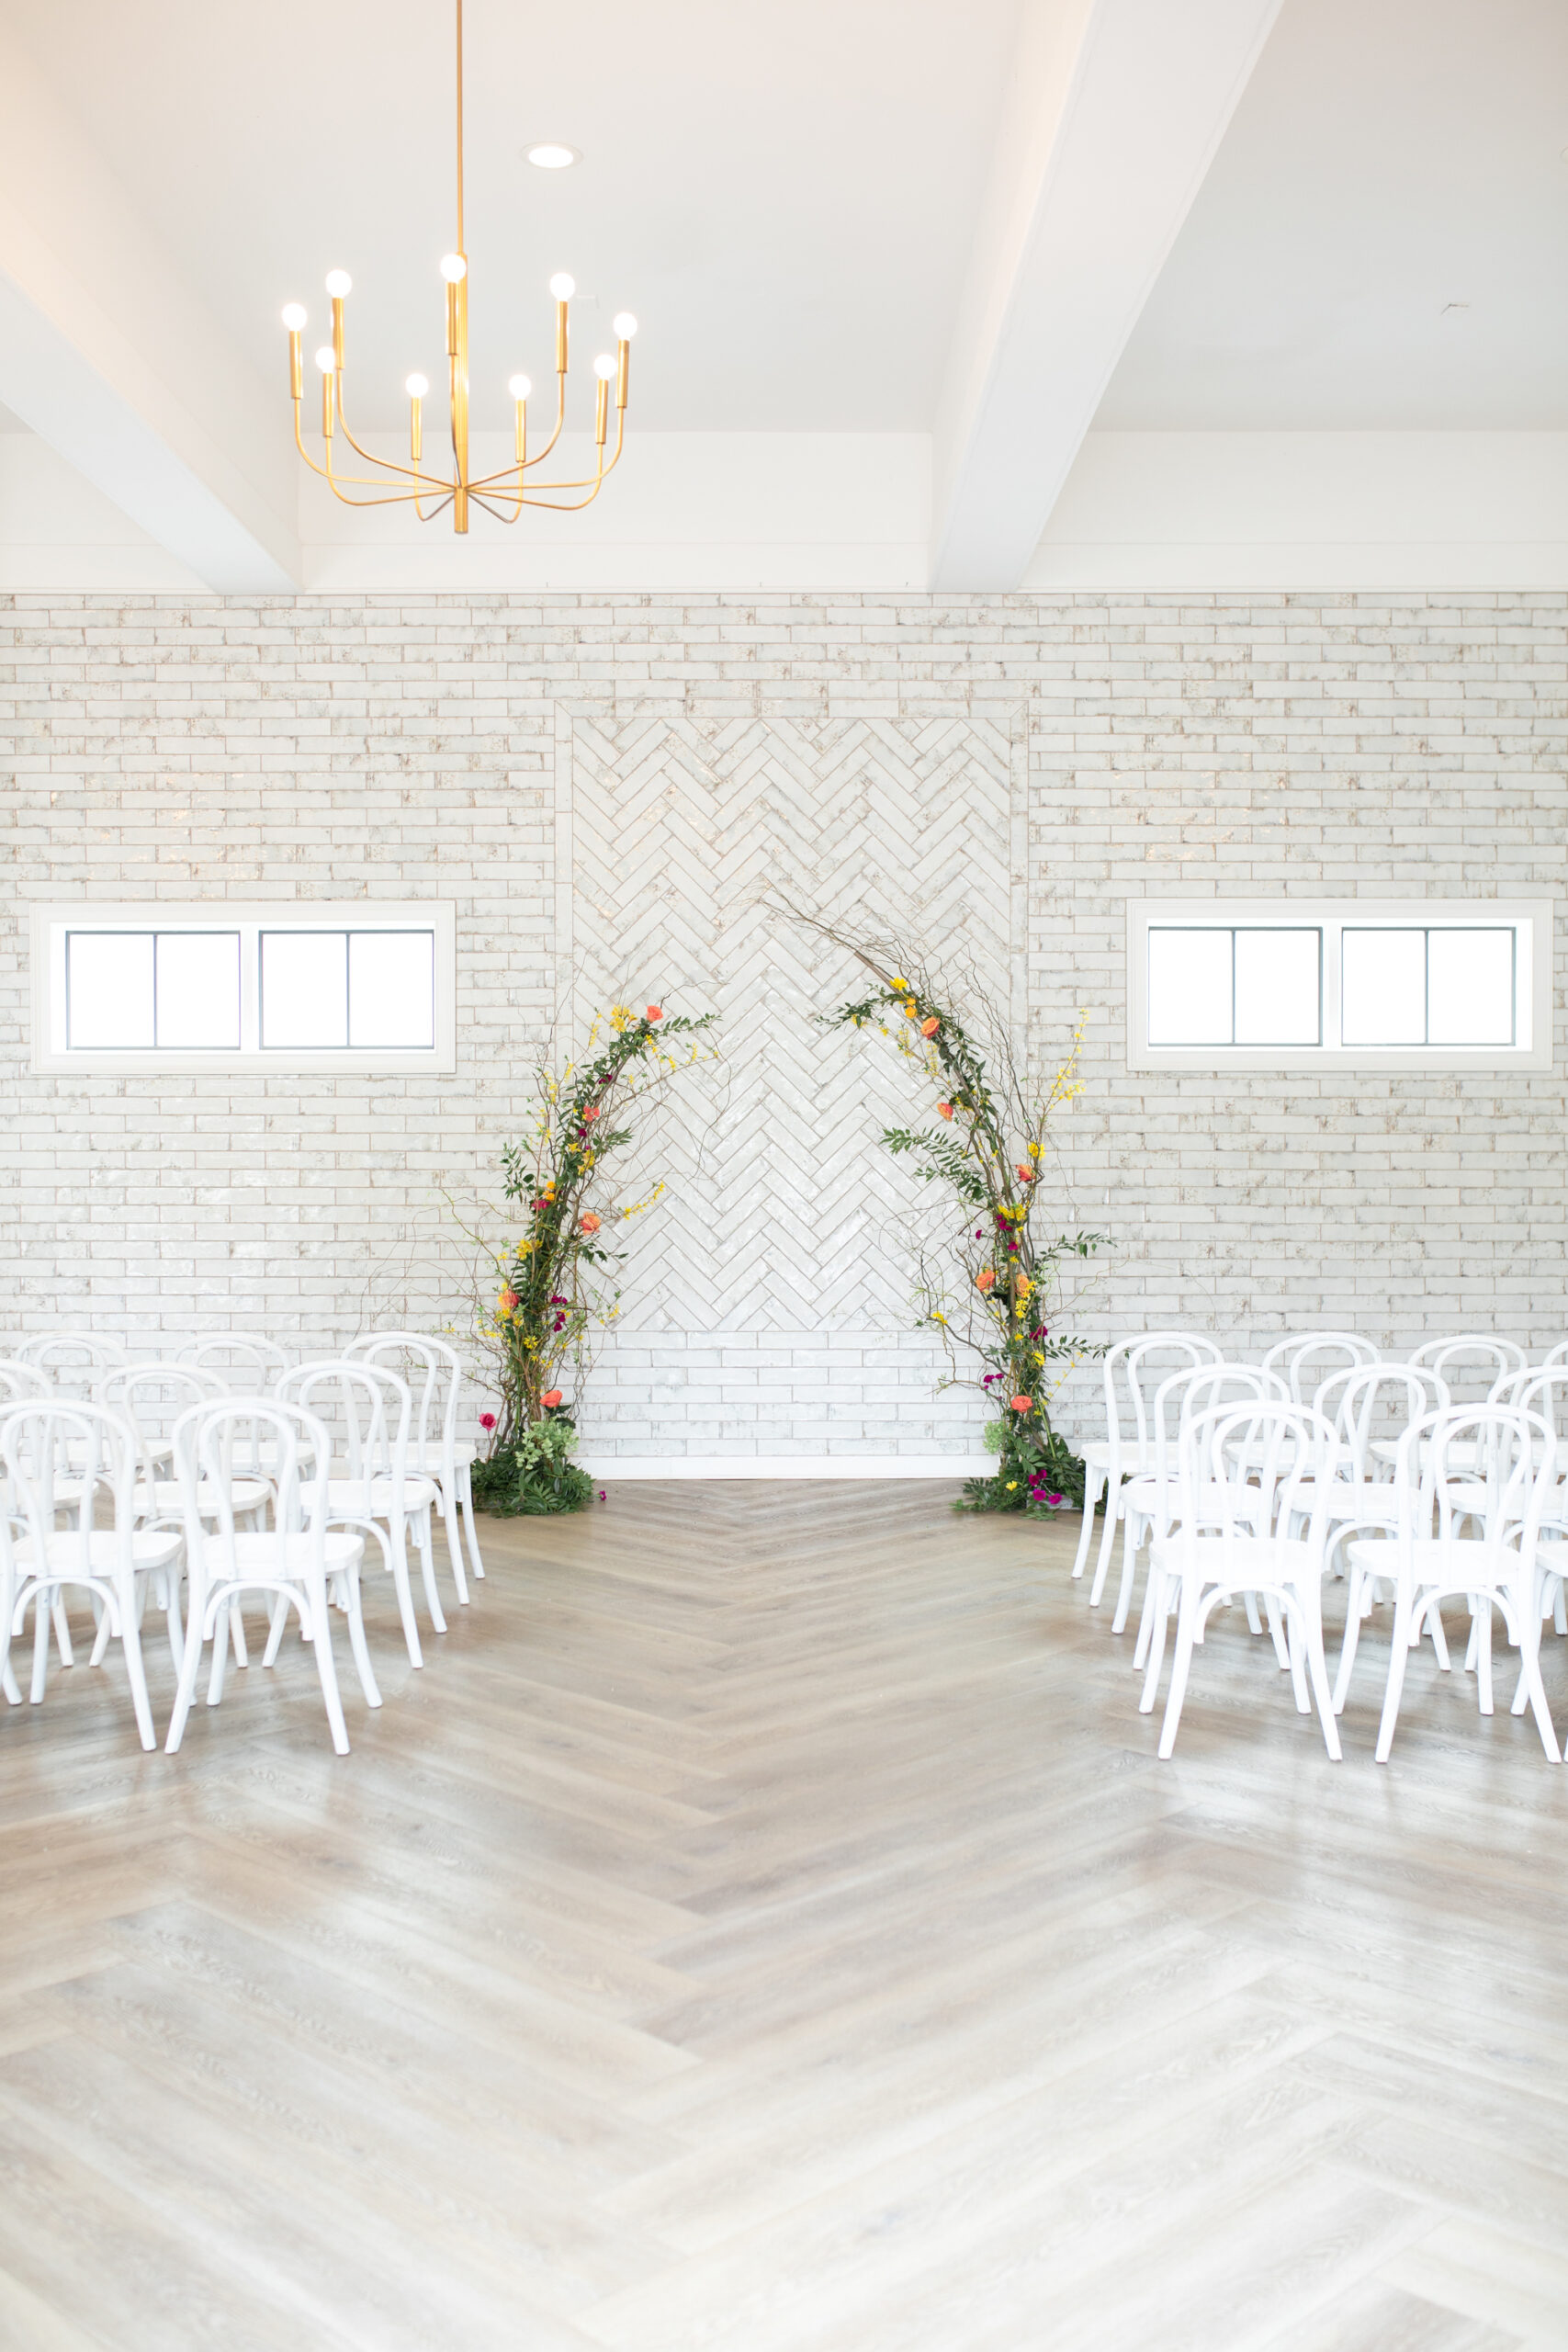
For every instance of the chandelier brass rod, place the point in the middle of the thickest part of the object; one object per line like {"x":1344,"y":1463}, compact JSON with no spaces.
{"x":389,"y":465}
{"x":461,"y":247}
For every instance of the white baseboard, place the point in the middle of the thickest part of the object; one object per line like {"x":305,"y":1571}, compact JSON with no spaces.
{"x":788,"y":1465}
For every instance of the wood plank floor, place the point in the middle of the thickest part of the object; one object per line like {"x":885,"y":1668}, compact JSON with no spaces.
{"x":764,"y":1926}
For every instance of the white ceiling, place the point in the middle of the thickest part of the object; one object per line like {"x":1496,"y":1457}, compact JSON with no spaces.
{"x":1388,"y":158}
{"x":784,"y":194}
{"x":983,"y":225}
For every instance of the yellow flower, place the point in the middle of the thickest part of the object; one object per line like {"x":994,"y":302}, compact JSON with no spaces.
{"x":1034,"y":1151}
{"x":936,"y":1318}
{"x":1012,"y":1485}
{"x":900,"y":983}
{"x":1038,"y":1357}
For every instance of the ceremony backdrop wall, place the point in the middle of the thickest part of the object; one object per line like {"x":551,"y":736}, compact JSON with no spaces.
{"x":611,"y":787}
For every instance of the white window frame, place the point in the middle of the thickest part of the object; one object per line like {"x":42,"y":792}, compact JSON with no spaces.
{"x":1532,"y":920}
{"x":249,"y":917}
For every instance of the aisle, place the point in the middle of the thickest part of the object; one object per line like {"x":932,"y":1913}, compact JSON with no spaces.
{"x":763,"y":1927}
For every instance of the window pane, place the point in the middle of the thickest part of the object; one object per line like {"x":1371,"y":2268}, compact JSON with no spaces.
{"x":1384,"y":988}
{"x":391,"y":987}
{"x":109,"y":989}
{"x":1279,"y":993}
{"x":304,"y":988}
{"x":1470,"y":988}
{"x":1190,"y":988}
{"x":198,"y":991}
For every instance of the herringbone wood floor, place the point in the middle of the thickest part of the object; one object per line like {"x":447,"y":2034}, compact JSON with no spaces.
{"x":764,"y":1925}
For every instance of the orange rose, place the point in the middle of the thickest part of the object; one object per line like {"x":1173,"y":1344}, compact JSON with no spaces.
{"x":1025,"y":1175}
{"x":985,"y":1279}
{"x":592,"y":1111}
{"x":551,"y":1398}
{"x":1022,"y":1404}
{"x":945,"y":1110}
{"x":589,"y":1222}
{"x":507,"y":1303}
{"x":930,"y":1025}
{"x":655,"y":1012}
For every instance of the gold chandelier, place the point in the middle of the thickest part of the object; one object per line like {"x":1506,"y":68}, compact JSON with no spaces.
{"x":506,"y":493}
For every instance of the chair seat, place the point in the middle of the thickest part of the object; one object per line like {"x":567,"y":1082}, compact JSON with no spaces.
{"x":372,"y":1498}
{"x":1249,"y":1562}
{"x":1146,"y":1494}
{"x":1098,"y":1453}
{"x":273,"y":1556}
{"x":167,"y":1497}
{"x":63,"y":1555}
{"x":1458,"y":1565}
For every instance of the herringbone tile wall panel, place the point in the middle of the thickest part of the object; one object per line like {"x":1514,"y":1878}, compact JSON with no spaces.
{"x":782,"y":1212}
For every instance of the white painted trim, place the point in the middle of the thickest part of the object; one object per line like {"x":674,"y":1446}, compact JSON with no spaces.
{"x":788,"y":1465}
{"x":1536,"y":929}
{"x":49,"y":925}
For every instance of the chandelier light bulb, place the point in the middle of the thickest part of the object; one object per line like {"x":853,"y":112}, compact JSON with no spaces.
{"x":550,"y":155}
{"x":294,"y":316}
{"x":453,"y":269}
{"x":625,"y":326}
{"x":519,"y":387}
{"x":417,"y":386}
{"x":339,"y":283}
{"x":563,"y":287}
{"x":604,"y":366}
{"x":326,"y":359}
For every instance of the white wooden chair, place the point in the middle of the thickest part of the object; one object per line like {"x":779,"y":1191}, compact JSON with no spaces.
{"x":59,"y":1444}
{"x":1241,"y":1471}
{"x":436,"y":1377}
{"x":1133,"y":1368}
{"x":372,"y":1491}
{"x":1441,"y":1458}
{"x":299,"y":1564}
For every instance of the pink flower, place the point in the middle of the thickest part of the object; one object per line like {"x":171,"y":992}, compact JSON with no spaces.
{"x":591,"y":1112}
{"x":550,"y":1398}
{"x":487,"y":1421}
{"x":603,"y":1496}
{"x":1021,"y":1404}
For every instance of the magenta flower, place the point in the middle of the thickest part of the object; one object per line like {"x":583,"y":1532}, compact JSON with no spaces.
{"x":487,"y":1421}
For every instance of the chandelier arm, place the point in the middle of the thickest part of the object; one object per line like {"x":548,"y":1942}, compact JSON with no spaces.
{"x":361,"y":481}
{"x":390,"y":465}
{"x":606,"y":466}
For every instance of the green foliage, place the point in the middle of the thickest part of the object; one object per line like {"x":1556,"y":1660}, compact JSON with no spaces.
{"x":990,"y":1155}
{"x":536,"y":1475}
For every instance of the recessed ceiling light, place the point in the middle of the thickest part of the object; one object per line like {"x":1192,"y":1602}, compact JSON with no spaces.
{"x":551,"y":156}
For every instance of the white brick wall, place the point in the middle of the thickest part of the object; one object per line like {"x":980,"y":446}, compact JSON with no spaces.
{"x":392,"y":748}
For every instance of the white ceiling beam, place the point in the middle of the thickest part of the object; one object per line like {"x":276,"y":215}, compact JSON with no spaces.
{"x":1113,"y":114}
{"x":108,"y":356}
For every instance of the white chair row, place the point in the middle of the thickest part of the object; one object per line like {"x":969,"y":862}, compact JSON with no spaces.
{"x":79,"y":1361}
{"x":60,"y":1456}
{"x":1350,"y":1487}
{"x":393,"y":1474}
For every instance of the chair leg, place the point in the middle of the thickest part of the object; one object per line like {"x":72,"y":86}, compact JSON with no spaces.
{"x":425,"y":1537}
{"x":1157,"y":1623}
{"x":466,"y":1497}
{"x":41,"y":1646}
{"x":190,"y":1667}
{"x":220,"y":1654}
{"x":1093,"y":1484}
{"x":1351,"y":1642}
{"x":321,"y":1617}
{"x":277,"y":1622}
{"x":1253,"y":1621}
{"x":62,"y":1631}
{"x":1399,"y":1650}
{"x":427,"y":1571}
{"x":130,"y":1641}
{"x":1107,"y":1540}
{"x":1186,"y":1634}
{"x":1317,"y":1668}
{"x":1483,"y":1659}
{"x":1132,"y":1543}
{"x":356,"y":1638}
{"x":398,"y":1561}
{"x":1440,"y":1639}
{"x":1277,"y":1633}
